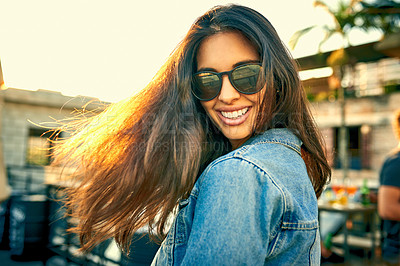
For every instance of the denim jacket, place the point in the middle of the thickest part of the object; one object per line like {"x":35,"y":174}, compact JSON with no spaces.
{"x":253,"y":206}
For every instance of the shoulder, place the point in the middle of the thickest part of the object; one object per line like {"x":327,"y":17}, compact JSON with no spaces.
{"x":277,"y":151}
{"x":262,"y":160}
{"x":232,"y":174}
{"x":390,"y":174}
{"x":392,"y":162}
{"x":231,"y":170}
{"x":233,"y":185}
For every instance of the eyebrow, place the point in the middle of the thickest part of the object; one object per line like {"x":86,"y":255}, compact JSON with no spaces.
{"x":233,"y":66}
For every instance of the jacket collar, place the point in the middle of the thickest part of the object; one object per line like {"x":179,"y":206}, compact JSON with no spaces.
{"x":282,"y":136}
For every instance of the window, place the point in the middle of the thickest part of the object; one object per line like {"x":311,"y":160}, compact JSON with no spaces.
{"x":39,"y":146}
{"x":358,"y":147}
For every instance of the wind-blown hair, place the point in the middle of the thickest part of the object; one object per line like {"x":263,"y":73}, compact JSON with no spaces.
{"x":139,"y":157}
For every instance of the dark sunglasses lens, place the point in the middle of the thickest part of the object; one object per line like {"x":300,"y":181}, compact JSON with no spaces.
{"x":206,"y":86}
{"x":245,"y":78}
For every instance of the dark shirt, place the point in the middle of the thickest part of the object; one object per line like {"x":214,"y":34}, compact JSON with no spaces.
{"x":390,"y":176}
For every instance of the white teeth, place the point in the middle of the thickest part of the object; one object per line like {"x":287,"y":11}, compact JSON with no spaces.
{"x":235,"y":114}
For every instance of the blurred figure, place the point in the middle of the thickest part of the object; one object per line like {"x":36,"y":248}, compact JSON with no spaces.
{"x":389,"y":201}
{"x":331,"y":223}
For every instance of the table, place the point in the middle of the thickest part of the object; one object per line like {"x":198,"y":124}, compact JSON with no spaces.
{"x":349,"y":209}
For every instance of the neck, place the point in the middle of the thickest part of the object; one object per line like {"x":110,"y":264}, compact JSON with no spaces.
{"x":236,"y":143}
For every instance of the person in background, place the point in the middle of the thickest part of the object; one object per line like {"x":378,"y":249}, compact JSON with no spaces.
{"x":222,"y":139}
{"x":389,"y":201}
{"x":330,"y":224}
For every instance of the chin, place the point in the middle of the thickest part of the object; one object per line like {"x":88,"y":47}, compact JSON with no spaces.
{"x":237,"y":137}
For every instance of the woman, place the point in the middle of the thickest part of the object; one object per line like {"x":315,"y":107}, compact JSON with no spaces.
{"x":222,"y":138}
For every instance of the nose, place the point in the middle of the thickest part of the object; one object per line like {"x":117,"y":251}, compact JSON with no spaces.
{"x":228,"y":93}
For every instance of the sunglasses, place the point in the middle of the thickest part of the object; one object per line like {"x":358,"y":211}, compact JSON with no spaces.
{"x":244,"y":78}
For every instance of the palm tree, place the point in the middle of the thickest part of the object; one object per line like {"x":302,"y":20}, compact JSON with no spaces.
{"x":344,"y":17}
{"x":383,"y":15}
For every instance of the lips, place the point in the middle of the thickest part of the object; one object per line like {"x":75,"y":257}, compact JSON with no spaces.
{"x":234,"y":116}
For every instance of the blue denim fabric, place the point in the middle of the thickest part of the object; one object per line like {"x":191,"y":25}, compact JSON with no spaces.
{"x":253,"y":206}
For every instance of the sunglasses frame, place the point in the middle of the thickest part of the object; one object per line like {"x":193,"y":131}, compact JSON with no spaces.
{"x":220,"y":75}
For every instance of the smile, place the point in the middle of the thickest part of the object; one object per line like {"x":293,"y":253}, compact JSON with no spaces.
{"x":234,"y":118}
{"x":235,"y":114}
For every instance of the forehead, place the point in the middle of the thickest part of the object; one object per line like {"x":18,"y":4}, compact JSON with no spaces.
{"x":223,"y":50}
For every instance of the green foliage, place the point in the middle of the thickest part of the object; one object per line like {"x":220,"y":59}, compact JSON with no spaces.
{"x":344,"y":16}
{"x":383,"y":15}
{"x":330,"y":95}
{"x":390,"y":88}
{"x":338,"y":58}
{"x":297,"y":35}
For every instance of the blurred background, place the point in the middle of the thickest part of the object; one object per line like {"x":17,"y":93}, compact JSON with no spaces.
{"x":57,"y":56}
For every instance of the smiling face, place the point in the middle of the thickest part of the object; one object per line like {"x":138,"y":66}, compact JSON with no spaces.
{"x":232,"y":112}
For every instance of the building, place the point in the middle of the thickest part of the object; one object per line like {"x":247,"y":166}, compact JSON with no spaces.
{"x":28,"y":119}
{"x":372,"y":94}
{"x":36,"y":227}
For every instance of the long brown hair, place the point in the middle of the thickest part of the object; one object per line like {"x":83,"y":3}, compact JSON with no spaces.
{"x":138,"y":158}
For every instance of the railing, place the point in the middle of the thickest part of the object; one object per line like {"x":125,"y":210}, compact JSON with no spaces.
{"x":26,"y":180}
{"x":33,"y":225}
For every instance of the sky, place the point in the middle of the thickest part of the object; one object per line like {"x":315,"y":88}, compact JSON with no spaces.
{"x":111,"y":49}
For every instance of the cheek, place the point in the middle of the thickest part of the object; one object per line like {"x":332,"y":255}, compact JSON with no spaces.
{"x":207,"y":105}
{"x":257,"y":98}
